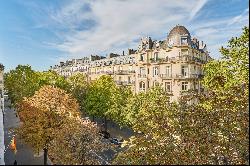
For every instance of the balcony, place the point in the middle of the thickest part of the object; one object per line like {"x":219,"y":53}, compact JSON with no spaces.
{"x":142,"y":76}
{"x":186,"y":58}
{"x":188,"y":76}
{"x":125,"y":82}
{"x":158,"y":60}
{"x":124,"y":72}
{"x":166,"y":76}
{"x":131,"y":82}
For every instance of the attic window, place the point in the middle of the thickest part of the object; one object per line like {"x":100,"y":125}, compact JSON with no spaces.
{"x":184,"y":40}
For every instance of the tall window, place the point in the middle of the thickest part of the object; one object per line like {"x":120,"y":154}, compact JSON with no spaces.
{"x":155,"y":56}
{"x":184,"y":71}
{"x":155,"y":71}
{"x":184,"y":86}
{"x":142,"y":86}
{"x":142,"y":71}
{"x":168,"y":71}
{"x":168,"y":86}
{"x":142,"y":57}
{"x":129,"y":79}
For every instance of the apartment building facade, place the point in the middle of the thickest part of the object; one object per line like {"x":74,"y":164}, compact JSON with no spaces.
{"x":175,"y":64}
{"x":1,"y":87}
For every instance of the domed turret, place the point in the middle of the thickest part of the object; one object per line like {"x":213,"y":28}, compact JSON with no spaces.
{"x":179,"y":35}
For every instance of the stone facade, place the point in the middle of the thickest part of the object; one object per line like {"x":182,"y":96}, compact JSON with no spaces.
{"x":1,"y":87}
{"x":175,"y":64}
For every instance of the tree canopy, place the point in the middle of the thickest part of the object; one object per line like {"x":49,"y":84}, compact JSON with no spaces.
{"x":214,"y":131}
{"x":78,"y":87}
{"x":21,"y":82}
{"x":43,"y":114}
{"x":99,"y":97}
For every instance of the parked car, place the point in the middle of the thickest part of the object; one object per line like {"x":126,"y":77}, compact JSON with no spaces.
{"x":116,"y":141}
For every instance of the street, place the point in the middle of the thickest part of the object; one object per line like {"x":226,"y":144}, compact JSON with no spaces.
{"x":24,"y":155}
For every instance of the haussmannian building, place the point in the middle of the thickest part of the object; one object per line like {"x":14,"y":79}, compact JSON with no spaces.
{"x":1,"y":87}
{"x":176,"y":64}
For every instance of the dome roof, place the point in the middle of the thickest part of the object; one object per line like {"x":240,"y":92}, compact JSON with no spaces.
{"x":179,"y":30}
{"x":176,"y":33}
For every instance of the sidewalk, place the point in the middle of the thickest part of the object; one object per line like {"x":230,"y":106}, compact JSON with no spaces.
{"x":24,"y":155}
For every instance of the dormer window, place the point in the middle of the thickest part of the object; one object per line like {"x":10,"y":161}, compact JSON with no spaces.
{"x":184,"y":40}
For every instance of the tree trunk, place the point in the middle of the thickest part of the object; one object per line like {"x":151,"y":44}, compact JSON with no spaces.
{"x":45,"y":150}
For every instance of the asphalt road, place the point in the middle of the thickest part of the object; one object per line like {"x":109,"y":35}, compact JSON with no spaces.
{"x":24,"y":155}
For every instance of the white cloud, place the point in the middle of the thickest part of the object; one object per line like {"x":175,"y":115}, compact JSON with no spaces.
{"x":197,"y":8}
{"x":244,"y":16}
{"x":118,"y":24}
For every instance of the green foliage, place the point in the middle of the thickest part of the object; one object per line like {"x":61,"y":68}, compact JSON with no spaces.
{"x":155,"y":123}
{"x":215,"y":131}
{"x":78,"y":87}
{"x":100,"y":96}
{"x":21,"y":82}
{"x":233,"y":69}
{"x":119,"y":109}
{"x":54,"y":79}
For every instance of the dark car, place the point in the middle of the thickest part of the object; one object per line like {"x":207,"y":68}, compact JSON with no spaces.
{"x":116,"y":141}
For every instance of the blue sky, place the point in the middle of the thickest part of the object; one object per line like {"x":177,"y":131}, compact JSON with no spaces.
{"x":44,"y":32}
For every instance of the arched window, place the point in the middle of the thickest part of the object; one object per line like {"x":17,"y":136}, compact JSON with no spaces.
{"x":142,"y":86}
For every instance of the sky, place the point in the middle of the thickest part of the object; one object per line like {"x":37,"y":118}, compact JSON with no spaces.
{"x":42,"y":33}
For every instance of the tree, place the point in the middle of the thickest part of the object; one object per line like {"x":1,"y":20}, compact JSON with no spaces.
{"x":119,"y":110}
{"x":78,"y":87}
{"x":155,"y":124}
{"x":77,"y":143}
{"x":44,"y":114}
{"x":99,"y":97}
{"x":233,"y":68}
{"x":215,"y":131}
{"x":227,"y":81}
{"x":52,"y":78}
{"x":21,"y":82}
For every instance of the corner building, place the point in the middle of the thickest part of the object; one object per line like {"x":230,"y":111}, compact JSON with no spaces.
{"x":176,"y":64}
